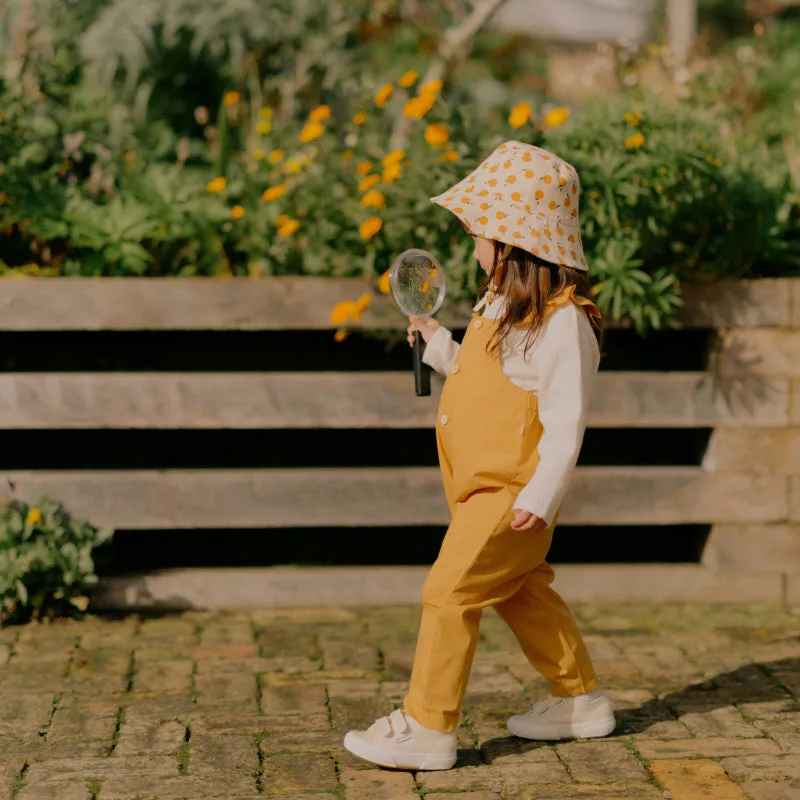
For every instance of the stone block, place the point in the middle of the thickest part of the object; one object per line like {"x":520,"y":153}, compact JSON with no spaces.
{"x":754,"y":353}
{"x":708,"y":748}
{"x":750,"y":766}
{"x":765,"y":451}
{"x":770,"y":790}
{"x":696,"y":779}
{"x":299,"y":772}
{"x":377,"y":785}
{"x":761,"y":303}
{"x":601,"y":762}
{"x":753,"y":548}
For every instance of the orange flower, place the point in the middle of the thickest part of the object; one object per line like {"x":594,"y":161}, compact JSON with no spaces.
{"x":634,"y":118}
{"x":450,"y":155}
{"x":259,"y":155}
{"x":340,"y":335}
{"x":311,"y":131}
{"x":392,"y":173}
{"x":556,"y":117}
{"x":395,"y":157}
{"x":408,"y":79}
{"x":383,"y":94}
{"x":363,"y":302}
{"x":231,"y":98}
{"x":344,"y":311}
{"x":373,"y":199}
{"x":367,"y":183}
{"x":436,"y":135}
{"x":237,"y":212}
{"x":370,"y":227}
{"x":634,"y":142}
{"x":431,"y":87}
{"x":383,"y":283}
{"x":288,"y":228}
{"x":519,"y":115}
{"x":217,"y":185}
{"x":320,"y":114}
{"x":360,"y":118}
{"x":364,"y":167}
{"x":273,"y":193}
{"x":276,"y":156}
{"x":418,"y":107}
{"x":282,"y":220}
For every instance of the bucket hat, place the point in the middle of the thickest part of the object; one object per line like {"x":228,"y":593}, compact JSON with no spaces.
{"x":526,"y":197}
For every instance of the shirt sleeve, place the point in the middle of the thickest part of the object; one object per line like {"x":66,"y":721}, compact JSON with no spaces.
{"x":568,"y":364}
{"x":441,"y":351}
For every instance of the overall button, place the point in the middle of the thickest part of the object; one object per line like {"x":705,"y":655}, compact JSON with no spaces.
{"x":478,"y":323}
{"x":444,"y":419}
{"x":456,"y":370}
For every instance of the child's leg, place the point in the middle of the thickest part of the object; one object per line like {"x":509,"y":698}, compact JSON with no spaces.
{"x":483,"y":562}
{"x":548,"y":635}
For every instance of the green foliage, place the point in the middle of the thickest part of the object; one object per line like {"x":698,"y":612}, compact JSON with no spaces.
{"x":148,"y":149}
{"x":46,"y":563}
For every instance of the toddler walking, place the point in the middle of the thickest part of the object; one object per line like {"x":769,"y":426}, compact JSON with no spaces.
{"x":509,"y":429}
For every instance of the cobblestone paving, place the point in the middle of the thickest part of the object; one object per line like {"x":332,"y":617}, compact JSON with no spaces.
{"x":249,"y":706}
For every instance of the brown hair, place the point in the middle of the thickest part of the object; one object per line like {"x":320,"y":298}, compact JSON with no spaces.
{"x":528,"y":284}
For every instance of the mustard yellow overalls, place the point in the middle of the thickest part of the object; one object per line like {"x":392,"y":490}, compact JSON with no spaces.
{"x":488,"y":432}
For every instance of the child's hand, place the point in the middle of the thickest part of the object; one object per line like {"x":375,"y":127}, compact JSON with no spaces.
{"x":525,"y":521}
{"x":425,"y":325}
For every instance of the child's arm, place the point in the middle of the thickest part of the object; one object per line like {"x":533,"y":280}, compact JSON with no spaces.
{"x":568,"y":361}
{"x":440,"y":349}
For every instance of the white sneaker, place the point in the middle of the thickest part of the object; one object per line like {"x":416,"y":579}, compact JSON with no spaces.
{"x":583,"y":717}
{"x":401,"y":742}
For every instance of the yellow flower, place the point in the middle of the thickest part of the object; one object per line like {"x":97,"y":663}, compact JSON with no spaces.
{"x":392,"y":173}
{"x":344,"y":311}
{"x":418,"y":107}
{"x":231,"y":98}
{"x":360,"y":118}
{"x":293,"y":166}
{"x":264,"y":126}
{"x":383,"y":94}
{"x":633,"y":118}
{"x":395,"y":157}
{"x":408,"y":79}
{"x":363,"y":302}
{"x":34,"y":517}
{"x":339,"y":336}
{"x":364,"y":167}
{"x":373,"y":199}
{"x":370,"y":227}
{"x":282,"y":220}
{"x":347,"y":155}
{"x":237,"y":212}
{"x":431,"y":87}
{"x":368,"y":182}
{"x":320,"y":114}
{"x":266,"y":113}
{"x":259,"y":155}
{"x":519,"y":115}
{"x":436,"y":135}
{"x":216,"y":186}
{"x":558,"y":116}
{"x":634,"y":142}
{"x":288,"y":228}
{"x":276,"y":156}
{"x":273,"y":193}
{"x":450,"y":155}
{"x":384,"y":283}
{"x":311,"y":131}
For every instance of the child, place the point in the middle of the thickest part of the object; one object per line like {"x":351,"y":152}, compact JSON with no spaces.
{"x":509,"y":429}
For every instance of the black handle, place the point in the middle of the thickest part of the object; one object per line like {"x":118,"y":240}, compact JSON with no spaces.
{"x":422,"y":372}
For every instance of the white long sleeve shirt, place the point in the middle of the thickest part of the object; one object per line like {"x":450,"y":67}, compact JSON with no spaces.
{"x":560,"y":367}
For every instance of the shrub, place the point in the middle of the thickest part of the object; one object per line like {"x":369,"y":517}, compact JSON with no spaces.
{"x":46,"y":564}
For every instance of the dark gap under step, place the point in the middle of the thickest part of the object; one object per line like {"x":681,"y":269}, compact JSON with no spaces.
{"x":138,"y":551}
{"x":187,"y":449}
{"x":292,"y":351}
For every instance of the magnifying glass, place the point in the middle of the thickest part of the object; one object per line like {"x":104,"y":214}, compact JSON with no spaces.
{"x":418,"y":288}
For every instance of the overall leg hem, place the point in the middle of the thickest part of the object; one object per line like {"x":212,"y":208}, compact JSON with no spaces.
{"x":573,"y":688}
{"x":432,"y":720}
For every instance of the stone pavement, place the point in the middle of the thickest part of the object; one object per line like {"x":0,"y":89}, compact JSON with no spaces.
{"x":202,"y":706}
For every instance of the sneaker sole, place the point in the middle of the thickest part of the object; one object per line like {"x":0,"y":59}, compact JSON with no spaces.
{"x":383,"y":758}
{"x":551,"y":733}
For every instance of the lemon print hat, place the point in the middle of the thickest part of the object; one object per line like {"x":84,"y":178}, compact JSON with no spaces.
{"x":523,"y":196}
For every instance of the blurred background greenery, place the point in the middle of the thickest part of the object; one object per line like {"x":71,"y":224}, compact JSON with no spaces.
{"x":293,"y":137}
